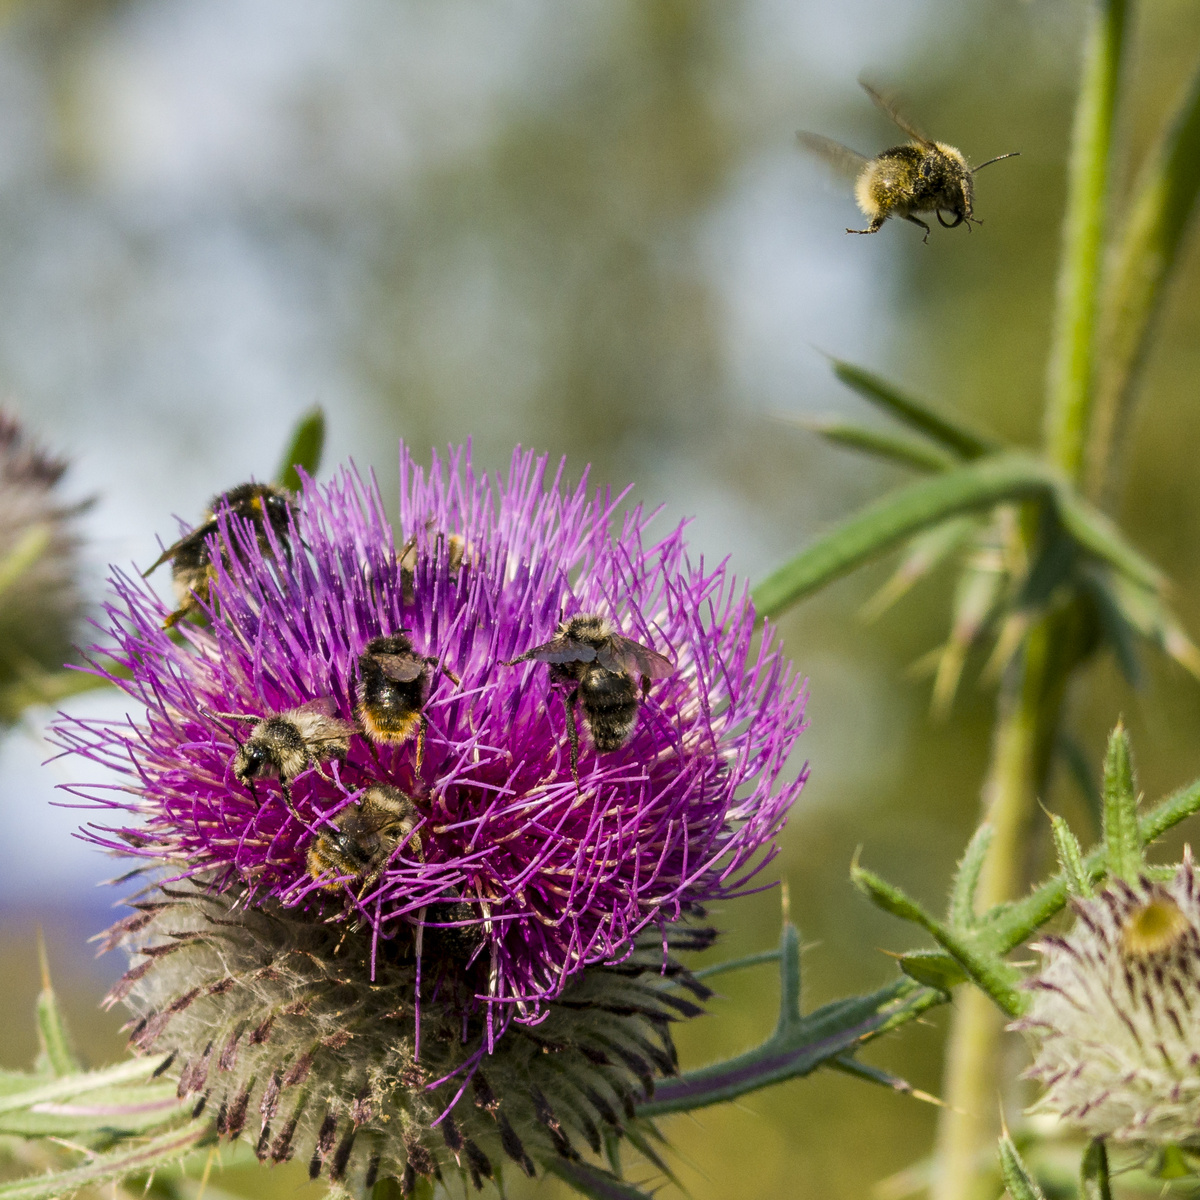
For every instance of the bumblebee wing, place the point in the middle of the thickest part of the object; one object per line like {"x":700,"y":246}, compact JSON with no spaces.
{"x":323,"y":706}
{"x":196,"y":535}
{"x":400,"y":668}
{"x":624,"y":654}
{"x":560,"y":650}
{"x":887,"y":106}
{"x":841,"y":158}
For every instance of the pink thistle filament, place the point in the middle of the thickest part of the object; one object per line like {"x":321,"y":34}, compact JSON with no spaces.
{"x":547,"y":875}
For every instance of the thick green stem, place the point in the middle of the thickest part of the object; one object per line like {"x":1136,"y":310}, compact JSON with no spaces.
{"x":1029,"y":712}
{"x":1070,"y":383}
{"x":1145,"y":256}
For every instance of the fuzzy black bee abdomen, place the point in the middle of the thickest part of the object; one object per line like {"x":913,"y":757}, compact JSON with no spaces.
{"x":610,"y":704}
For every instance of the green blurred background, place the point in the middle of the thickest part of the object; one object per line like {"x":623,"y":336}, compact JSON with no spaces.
{"x":581,"y":225}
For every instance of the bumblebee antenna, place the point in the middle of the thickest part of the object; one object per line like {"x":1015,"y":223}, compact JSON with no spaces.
{"x":998,"y":158}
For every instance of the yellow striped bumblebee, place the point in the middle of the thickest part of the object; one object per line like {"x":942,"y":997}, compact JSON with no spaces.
{"x":286,"y":743}
{"x":589,"y":654}
{"x":365,"y":838}
{"x":393,"y":685}
{"x":921,"y":177}
{"x":191,"y":560}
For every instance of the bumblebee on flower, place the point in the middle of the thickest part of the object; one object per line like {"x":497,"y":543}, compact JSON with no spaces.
{"x":508,"y":865}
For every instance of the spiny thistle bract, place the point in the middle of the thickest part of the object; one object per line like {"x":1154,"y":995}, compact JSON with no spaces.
{"x":1115,"y":1013}
{"x":299,"y":1034}
{"x":41,"y":605}
{"x":513,"y":883}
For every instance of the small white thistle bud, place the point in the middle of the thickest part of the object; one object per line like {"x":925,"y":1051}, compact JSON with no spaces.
{"x":1115,"y":1015}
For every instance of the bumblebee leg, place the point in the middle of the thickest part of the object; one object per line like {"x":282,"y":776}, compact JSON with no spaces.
{"x":287,"y":799}
{"x":958,"y":220}
{"x":918,"y":221}
{"x":573,"y":734}
{"x":875,"y":226}
{"x":421,"y":742}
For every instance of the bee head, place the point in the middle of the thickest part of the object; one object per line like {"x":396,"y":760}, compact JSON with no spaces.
{"x":250,"y":760}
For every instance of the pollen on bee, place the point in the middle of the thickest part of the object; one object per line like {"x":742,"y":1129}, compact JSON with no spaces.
{"x":396,"y":727}
{"x":864,"y":192}
{"x":1153,"y":927}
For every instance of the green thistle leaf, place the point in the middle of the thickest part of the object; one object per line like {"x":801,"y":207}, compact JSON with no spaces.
{"x":958,"y":437}
{"x":892,"y":447}
{"x":1070,"y":858}
{"x":304,"y":450}
{"x":1122,"y":841}
{"x":1017,"y":1179}
{"x":972,"y":487}
{"x":1093,"y":1173}
{"x":966,"y":879}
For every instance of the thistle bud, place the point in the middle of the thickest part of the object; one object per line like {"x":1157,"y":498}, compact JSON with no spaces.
{"x":302,"y":1038}
{"x":432,"y":815}
{"x":40,"y":600}
{"x":1115,"y":1013}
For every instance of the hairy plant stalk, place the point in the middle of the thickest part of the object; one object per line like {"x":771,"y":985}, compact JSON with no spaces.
{"x":1029,"y":710}
{"x":1141,"y":267}
{"x":1070,"y":383}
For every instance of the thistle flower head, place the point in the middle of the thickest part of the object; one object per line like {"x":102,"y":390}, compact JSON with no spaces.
{"x":40,"y":599}
{"x":1115,"y":1013}
{"x":492,"y":834}
{"x":299,"y":1036}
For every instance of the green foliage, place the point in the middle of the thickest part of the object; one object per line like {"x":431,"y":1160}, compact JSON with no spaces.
{"x":932,"y":968}
{"x":304,"y":450}
{"x":800,"y":1044}
{"x":1070,"y":391}
{"x":1093,"y":1172}
{"x":594,"y":1181}
{"x":1145,"y":258}
{"x":974,"y":954}
{"x":1017,"y":1179}
{"x":1122,"y":841}
{"x":53,"y":1038}
{"x":948,"y":431}
{"x":1001,"y":478}
{"x":892,"y":447}
{"x":966,"y":879}
{"x":1070,"y":857}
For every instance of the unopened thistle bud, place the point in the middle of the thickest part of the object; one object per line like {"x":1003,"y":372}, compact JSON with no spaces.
{"x":40,"y":598}
{"x":1115,"y":1013}
{"x":430,"y":818}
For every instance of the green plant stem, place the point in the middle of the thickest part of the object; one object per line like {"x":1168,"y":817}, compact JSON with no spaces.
{"x":1030,"y":703}
{"x":1144,"y":258}
{"x":1070,"y":383}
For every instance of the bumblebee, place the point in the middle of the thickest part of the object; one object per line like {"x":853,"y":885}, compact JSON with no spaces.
{"x":286,"y":743}
{"x":191,"y":559}
{"x":597,"y":664}
{"x":366,"y":837}
{"x":456,"y":549}
{"x":921,"y":177}
{"x":393,"y":685}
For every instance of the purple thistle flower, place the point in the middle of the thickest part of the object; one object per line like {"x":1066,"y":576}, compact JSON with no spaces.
{"x":549,"y":875}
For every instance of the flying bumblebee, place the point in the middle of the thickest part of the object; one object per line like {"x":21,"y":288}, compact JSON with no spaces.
{"x":921,"y":177}
{"x":286,"y":743}
{"x":367,"y":835}
{"x":191,"y":560}
{"x":598,"y":665}
{"x":393,"y":685}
